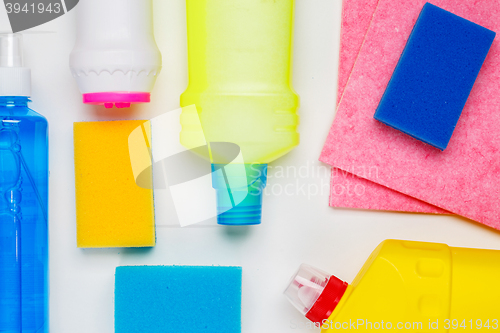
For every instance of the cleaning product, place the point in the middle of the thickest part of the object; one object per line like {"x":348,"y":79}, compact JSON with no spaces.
{"x":414,"y":286}
{"x":239,"y":59}
{"x":459,"y":181}
{"x":180,"y":299}
{"x":112,"y":210}
{"x":115,"y":60}
{"x":23,"y":198}
{"x":434,"y":77}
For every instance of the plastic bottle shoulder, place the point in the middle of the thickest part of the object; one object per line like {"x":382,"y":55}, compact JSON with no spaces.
{"x":22,"y":112}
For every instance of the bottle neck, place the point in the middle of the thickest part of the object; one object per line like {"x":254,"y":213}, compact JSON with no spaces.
{"x":14,"y":101}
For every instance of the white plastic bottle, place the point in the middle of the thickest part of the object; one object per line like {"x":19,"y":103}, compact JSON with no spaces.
{"x":115,"y":60}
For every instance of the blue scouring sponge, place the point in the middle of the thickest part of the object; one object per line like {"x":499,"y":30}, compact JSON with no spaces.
{"x":433,"y":79}
{"x":177,"y":299}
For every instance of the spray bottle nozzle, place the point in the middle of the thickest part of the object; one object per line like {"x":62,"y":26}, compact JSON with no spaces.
{"x":11,"y":50}
{"x":15,"y":80}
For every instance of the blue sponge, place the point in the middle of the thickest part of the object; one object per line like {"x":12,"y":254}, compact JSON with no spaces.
{"x":177,"y":299}
{"x":433,"y":79}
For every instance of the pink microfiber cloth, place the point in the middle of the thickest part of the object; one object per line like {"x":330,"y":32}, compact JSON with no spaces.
{"x":463,"y":179}
{"x":348,"y":190}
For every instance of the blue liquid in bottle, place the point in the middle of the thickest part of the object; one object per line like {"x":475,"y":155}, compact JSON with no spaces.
{"x":23,"y":199}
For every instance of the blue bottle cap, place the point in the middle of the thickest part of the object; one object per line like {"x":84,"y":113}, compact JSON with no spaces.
{"x":239,"y":192}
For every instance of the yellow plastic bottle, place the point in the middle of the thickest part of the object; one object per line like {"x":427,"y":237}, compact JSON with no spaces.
{"x":239,"y":59}
{"x":404,"y":285}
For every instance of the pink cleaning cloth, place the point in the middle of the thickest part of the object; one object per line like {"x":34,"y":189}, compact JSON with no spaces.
{"x":346,"y":189}
{"x":356,"y":18}
{"x":464,"y":178}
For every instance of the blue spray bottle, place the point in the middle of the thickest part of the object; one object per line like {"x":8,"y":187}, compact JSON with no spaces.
{"x":23,"y":198}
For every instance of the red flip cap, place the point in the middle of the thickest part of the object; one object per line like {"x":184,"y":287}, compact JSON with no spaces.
{"x":327,"y":301}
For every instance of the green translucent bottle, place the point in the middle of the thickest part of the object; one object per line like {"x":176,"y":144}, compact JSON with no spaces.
{"x":239,"y":58}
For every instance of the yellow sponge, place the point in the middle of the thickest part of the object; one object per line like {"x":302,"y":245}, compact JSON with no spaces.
{"x":111,"y":209}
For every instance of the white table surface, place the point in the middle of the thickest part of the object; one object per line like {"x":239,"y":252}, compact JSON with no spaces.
{"x":297,"y":227}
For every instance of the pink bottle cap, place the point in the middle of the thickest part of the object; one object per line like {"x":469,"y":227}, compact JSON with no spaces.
{"x":121,"y":99}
